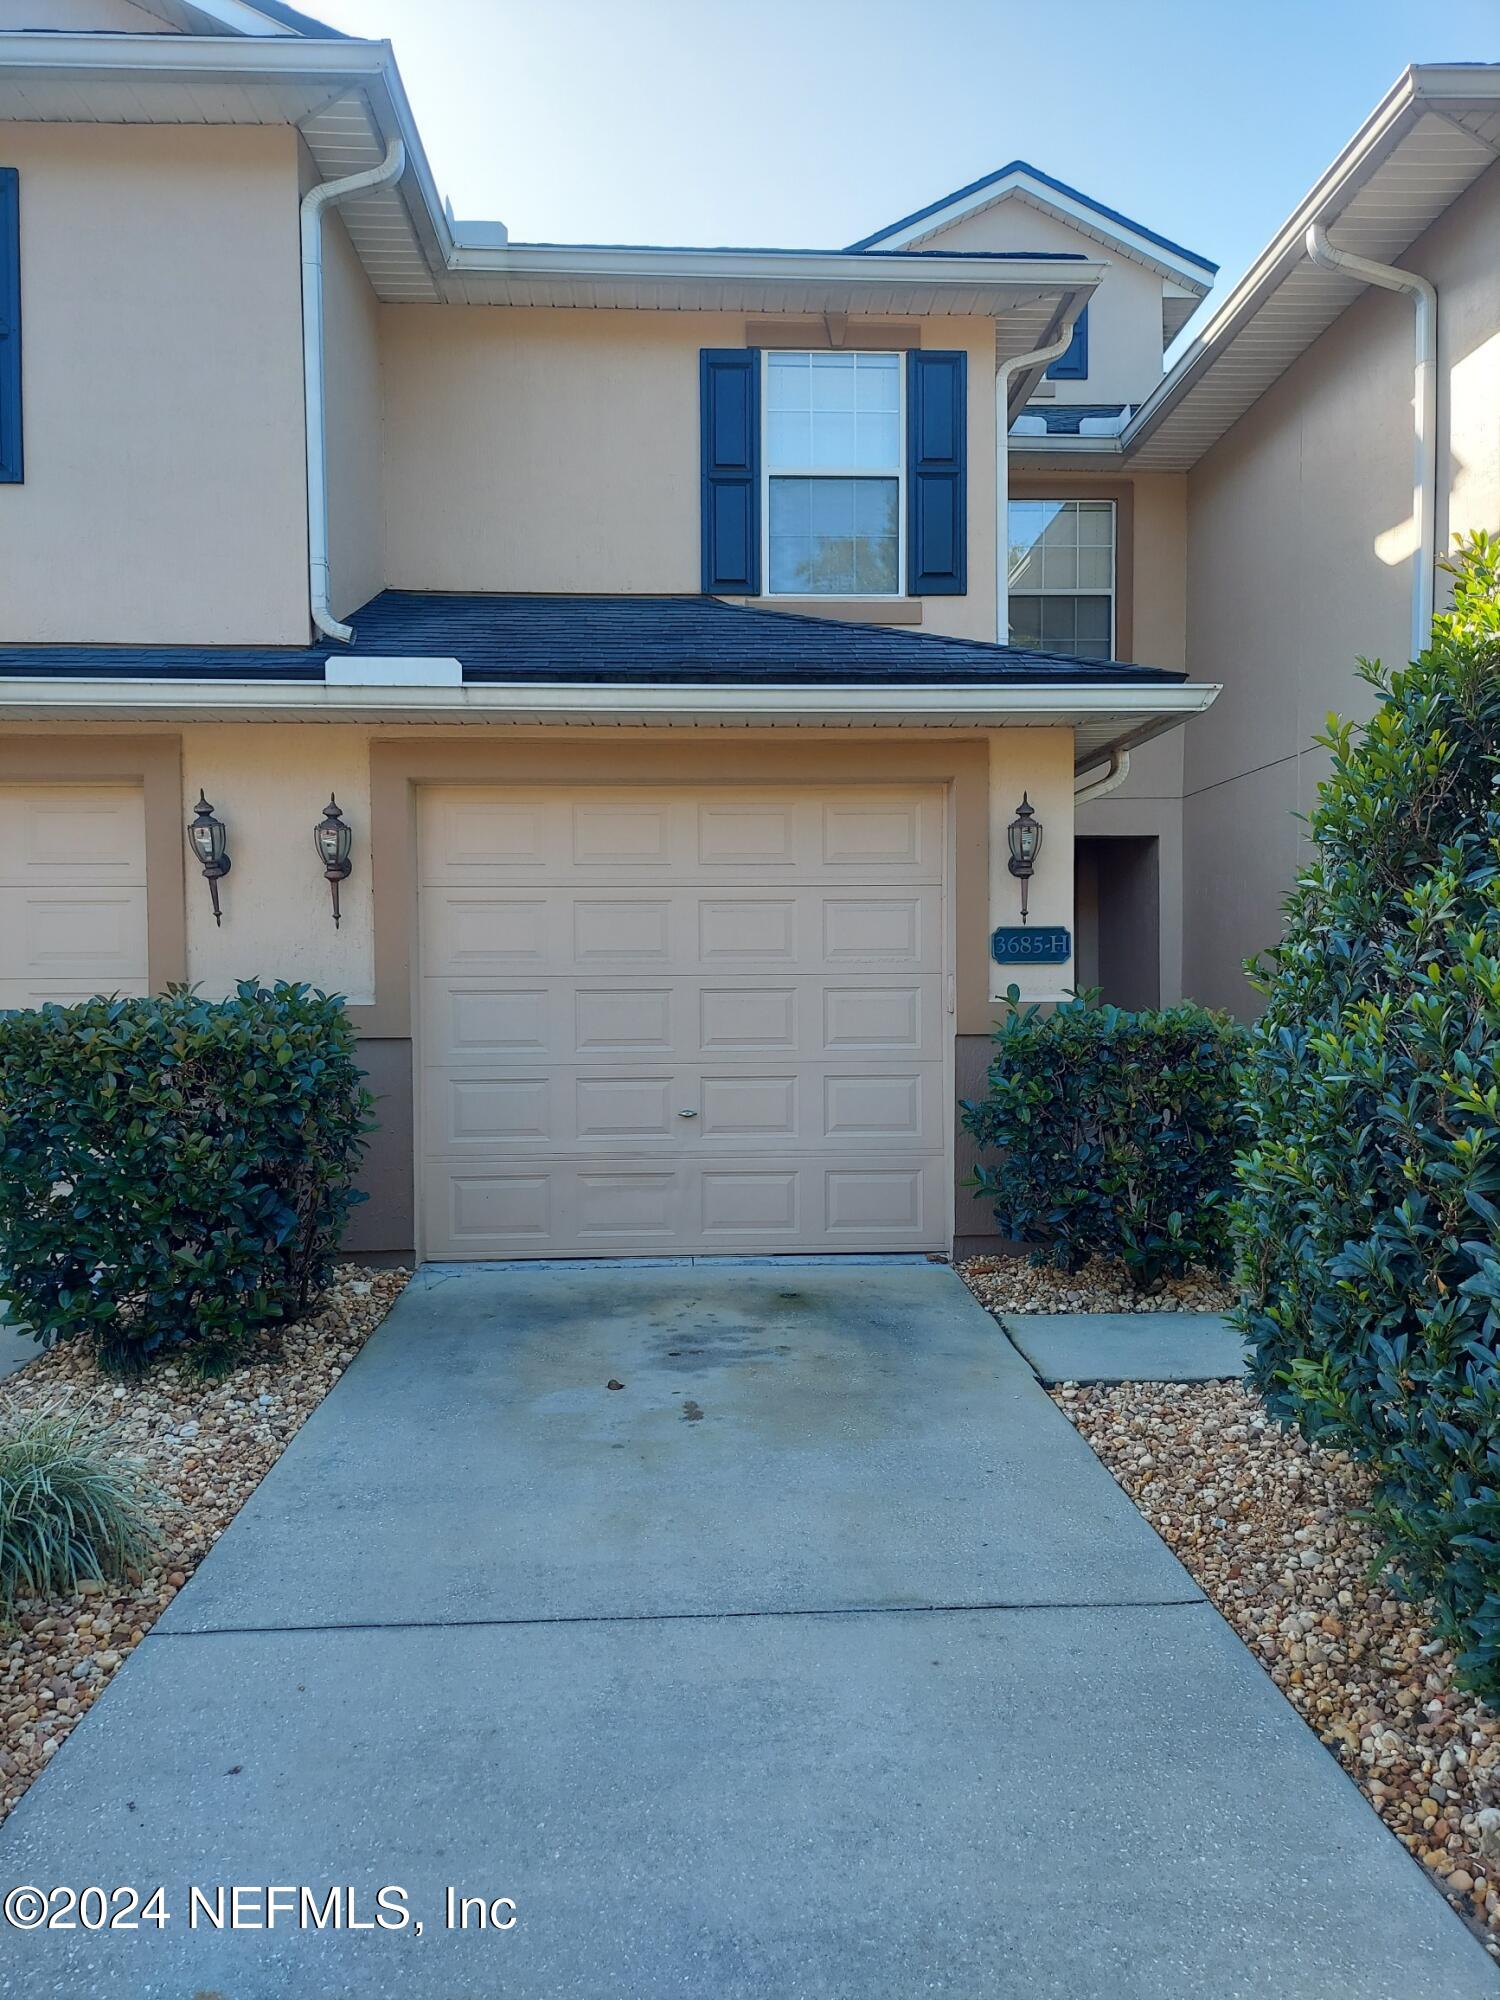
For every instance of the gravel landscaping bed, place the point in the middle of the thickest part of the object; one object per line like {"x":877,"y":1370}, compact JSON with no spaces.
{"x":1013,"y":1284}
{"x":1262,"y":1520}
{"x":204,"y":1446}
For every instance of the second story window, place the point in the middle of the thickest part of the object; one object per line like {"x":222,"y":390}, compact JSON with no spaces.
{"x":834,"y":468}
{"x":1062,"y":577}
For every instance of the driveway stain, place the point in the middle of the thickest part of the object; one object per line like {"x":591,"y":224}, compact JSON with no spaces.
{"x":692,"y":1413}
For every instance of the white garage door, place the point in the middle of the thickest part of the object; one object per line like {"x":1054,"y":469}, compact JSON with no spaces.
{"x":72,"y":892}
{"x":657,"y":1022}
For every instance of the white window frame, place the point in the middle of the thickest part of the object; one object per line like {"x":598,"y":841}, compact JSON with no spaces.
{"x":1069,"y":500}
{"x":832,"y":472}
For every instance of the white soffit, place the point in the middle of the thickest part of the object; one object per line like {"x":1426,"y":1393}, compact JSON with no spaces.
{"x":1421,"y":149}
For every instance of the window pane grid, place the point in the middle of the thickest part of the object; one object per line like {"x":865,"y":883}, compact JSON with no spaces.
{"x":1061,"y":576}
{"x":834,"y":471}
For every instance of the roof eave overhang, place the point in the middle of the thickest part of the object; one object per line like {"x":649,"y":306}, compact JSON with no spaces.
{"x":1105,"y":717}
{"x":710,"y":279}
{"x":1417,"y":90}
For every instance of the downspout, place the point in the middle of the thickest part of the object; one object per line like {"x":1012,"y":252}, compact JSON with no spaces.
{"x":1017,"y":365}
{"x":326,"y":195}
{"x":1114,"y":777}
{"x":1424,"y":407}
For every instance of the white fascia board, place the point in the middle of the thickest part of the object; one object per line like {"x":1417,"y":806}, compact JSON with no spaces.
{"x":1096,"y":444}
{"x":855,"y":268}
{"x":200,"y":55}
{"x":1081,"y":213}
{"x":595,"y":704}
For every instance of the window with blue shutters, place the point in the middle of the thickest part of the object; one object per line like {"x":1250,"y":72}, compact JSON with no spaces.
{"x":10,"y":325}
{"x":1072,"y":365}
{"x":833,"y":472}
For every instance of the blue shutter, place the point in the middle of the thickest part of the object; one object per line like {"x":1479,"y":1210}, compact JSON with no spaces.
{"x":10,"y":325}
{"x":936,"y":474}
{"x":1072,"y":365}
{"x":729,"y":417}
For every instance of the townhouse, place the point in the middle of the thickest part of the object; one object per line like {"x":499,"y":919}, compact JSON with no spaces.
{"x":673,"y":693}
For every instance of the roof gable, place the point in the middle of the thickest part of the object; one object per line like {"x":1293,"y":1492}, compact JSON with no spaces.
{"x":1020,"y":180}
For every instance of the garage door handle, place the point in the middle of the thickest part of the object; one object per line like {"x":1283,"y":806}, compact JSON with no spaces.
{"x":687,"y":1114}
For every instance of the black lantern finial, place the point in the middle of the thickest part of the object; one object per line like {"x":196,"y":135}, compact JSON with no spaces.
{"x":209,"y":842}
{"x":333,"y":839}
{"x":1025,"y":836}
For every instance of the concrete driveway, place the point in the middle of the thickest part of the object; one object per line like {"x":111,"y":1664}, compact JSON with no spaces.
{"x":820,"y":1657}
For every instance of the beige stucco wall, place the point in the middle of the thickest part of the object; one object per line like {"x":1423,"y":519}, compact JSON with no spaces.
{"x":163,"y":497}
{"x":1300,"y":534}
{"x":557,"y":450}
{"x":269,"y":783}
{"x":1036,"y":763}
{"x":1124,"y":314}
{"x":354,"y":424}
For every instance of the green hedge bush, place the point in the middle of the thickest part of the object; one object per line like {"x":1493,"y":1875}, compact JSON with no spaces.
{"x":1117,"y":1134}
{"x":177,"y":1169}
{"x":1369,"y":1219}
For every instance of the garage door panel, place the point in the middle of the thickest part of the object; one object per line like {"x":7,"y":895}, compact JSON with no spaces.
{"x":471,"y":930}
{"x":547,"y":836}
{"x":732,"y":1110}
{"x":470,"y":1020}
{"x":683,"y":1021}
{"x":623,"y":1207}
{"x":72,"y":836}
{"x":96,"y":937}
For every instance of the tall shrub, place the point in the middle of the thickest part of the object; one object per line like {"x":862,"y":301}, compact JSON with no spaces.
{"x":1115,"y":1134}
{"x":175,"y":1169}
{"x":1369,"y":1218}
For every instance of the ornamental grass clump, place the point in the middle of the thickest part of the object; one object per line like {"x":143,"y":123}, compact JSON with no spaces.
{"x":1368,"y":1218}
{"x":69,"y":1513}
{"x":1114,"y":1135}
{"x":175,"y":1171}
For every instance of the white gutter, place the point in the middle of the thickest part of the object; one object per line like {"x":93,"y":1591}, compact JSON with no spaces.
{"x":1136,"y":706}
{"x":325,"y":195}
{"x":1018,"y":364}
{"x":1423,"y":295}
{"x":1114,"y":777}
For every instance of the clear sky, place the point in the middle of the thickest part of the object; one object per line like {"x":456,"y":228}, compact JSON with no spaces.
{"x":813,"y":122}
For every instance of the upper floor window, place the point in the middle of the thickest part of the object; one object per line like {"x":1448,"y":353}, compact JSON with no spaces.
{"x":1062,"y":577}
{"x":834,"y":469}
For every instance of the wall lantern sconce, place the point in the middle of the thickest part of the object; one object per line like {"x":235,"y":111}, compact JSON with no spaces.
{"x":1025,"y":836}
{"x":333,"y":840}
{"x":207,"y":838}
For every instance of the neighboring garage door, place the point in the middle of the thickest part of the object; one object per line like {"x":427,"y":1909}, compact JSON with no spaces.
{"x":656,"y":1022}
{"x":72,"y":892}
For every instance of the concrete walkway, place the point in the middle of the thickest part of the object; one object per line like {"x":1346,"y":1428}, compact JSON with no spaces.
{"x":1128,"y":1347}
{"x":819,"y":1658}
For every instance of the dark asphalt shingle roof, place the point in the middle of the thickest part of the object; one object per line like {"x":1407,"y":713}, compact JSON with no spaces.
{"x":616,"y":640}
